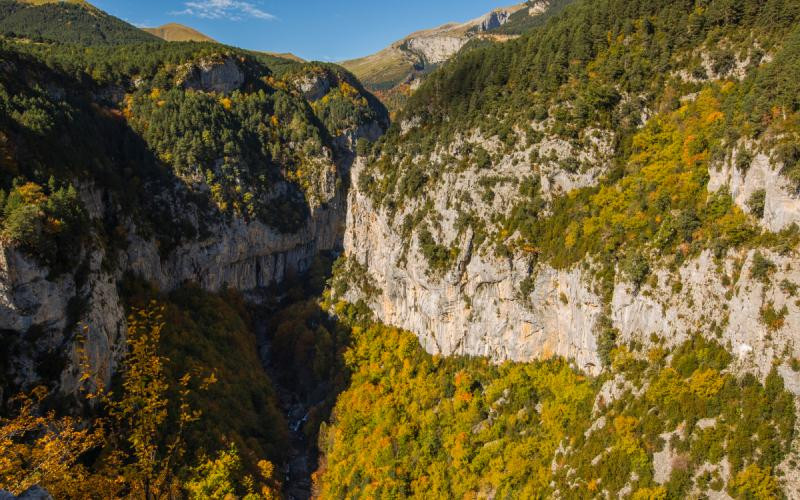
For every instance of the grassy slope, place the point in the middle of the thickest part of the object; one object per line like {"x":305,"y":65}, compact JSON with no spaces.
{"x":386,"y":72}
{"x":174,"y":32}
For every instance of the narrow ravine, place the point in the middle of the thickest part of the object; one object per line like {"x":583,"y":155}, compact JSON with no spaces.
{"x":306,"y":379}
{"x":298,"y":469}
{"x":296,"y":473}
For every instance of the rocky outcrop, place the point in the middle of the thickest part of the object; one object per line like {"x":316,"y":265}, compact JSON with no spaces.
{"x":487,"y":305}
{"x":32,"y":493}
{"x":436,"y":49}
{"x":239,"y":255}
{"x":719,"y":296}
{"x":213,"y":75}
{"x":314,"y":86}
{"x":477,"y":308}
{"x":493,"y":20}
{"x":781,"y":203}
{"x":538,"y":7}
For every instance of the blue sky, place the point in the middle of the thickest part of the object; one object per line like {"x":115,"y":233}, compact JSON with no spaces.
{"x":313,"y":29}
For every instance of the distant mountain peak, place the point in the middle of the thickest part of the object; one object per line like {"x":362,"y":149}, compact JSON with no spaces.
{"x":44,"y":2}
{"x":395,"y":71}
{"x":175,"y":32}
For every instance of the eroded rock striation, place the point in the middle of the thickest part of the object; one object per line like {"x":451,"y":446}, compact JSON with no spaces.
{"x":509,"y":309}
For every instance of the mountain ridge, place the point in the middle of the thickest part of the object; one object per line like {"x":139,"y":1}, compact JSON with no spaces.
{"x":75,"y":21}
{"x":396,"y":71}
{"x":176,"y":32}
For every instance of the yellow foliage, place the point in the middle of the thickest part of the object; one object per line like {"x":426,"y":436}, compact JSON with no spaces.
{"x":659,"y":493}
{"x":347,"y":89}
{"x":50,"y":459}
{"x":31,"y":193}
{"x":438,"y":449}
{"x":755,"y":483}
{"x":706,"y":384}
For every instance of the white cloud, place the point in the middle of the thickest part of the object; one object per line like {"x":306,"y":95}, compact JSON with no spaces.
{"x":232,"y":10}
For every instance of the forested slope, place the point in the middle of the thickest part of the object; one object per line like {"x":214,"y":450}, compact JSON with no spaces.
{"x":615,"y":183}
{"x":67,"y":21}
{"x":570,"y":266}
{"x":615,"y":147}
{"x":137,"y":179}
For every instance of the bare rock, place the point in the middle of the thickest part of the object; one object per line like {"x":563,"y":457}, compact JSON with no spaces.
{"x":214,"y":75}
{"x":32,"y":493}
{"x":314,"y":86}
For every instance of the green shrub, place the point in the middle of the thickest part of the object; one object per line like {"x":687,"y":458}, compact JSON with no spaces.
{"x":762,"y":268}
{"x":635,"y":268}
{"x":774,"y":319}
{"x":756,"y":203}
{"x":438,"y":257}
{"x":606,"y":343}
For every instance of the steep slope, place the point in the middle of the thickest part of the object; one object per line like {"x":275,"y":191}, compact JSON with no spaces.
{"x":566,"y":191}
{"x":394,"y":72}
{"x":411,"y":425}
{"x":174,"y":32}
{"x":71,"y":22}
{"x":618,"y":185}
{"x":181,"y":163}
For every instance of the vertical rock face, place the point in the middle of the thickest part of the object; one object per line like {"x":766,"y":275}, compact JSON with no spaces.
{"x":722,"y":296}
{"x":437,"y":49}
{"x":781,"y":203}
{"x":240,"y":255}
{"x":43,"y":316}
{"x":51,"y":324}
{"x":493,"y":20}
{"x":484,"y":306}
{"x":314,"y":87}
{"x":477,"y":308}
{"x":214,"y":75}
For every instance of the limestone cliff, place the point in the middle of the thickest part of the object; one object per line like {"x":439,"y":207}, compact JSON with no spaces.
{"x":483,"y":305}
{"x":48,"y":320}
{"x":399,"y":69}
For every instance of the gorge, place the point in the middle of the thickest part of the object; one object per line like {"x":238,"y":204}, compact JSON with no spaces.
{"x":566,"y":266}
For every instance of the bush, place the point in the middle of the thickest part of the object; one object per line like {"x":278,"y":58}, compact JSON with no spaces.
{"x":482,"y":158}
{"x":755,"y":483}
{"x":774,"y":319}
{"x":756,"y":203}
{"x":439,"y":257}
{"x":606,"y":343}
{"x":635,"y":268}
{"x":762,"y":267}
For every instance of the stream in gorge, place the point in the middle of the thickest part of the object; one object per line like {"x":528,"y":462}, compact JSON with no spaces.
{"x":296,"y":472}
{"x":300,"y":347}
